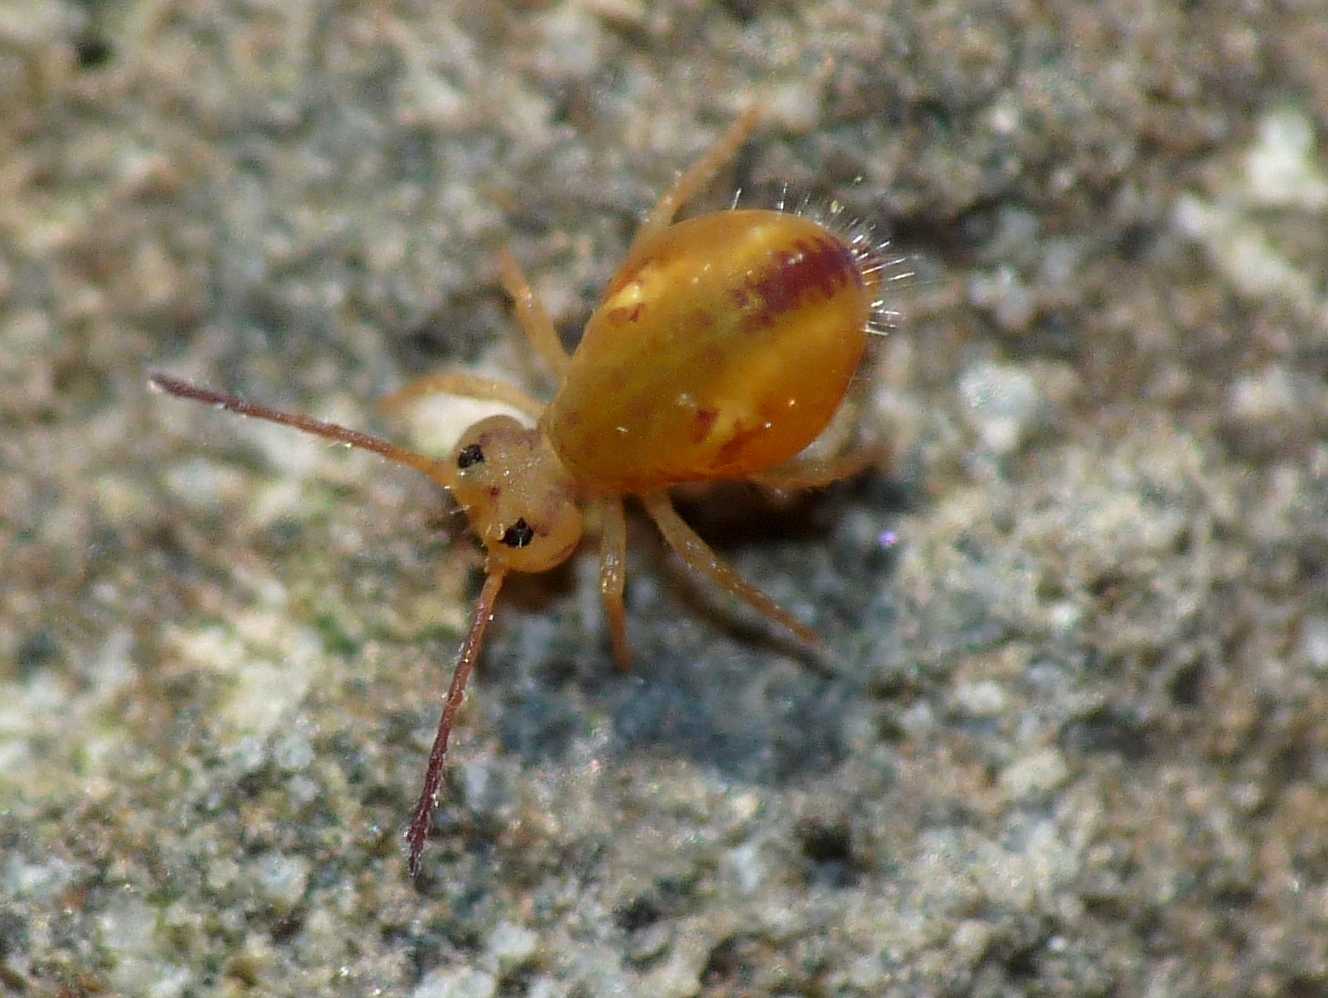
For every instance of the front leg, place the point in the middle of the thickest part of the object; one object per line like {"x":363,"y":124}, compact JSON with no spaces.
{"x":466,"y":385}
{"x":532,"y":315}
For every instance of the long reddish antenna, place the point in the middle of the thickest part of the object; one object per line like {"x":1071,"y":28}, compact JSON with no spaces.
{"x":341,"y":434}
{"x":418,"y":832}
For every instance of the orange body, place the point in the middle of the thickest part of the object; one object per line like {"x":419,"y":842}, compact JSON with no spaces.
{"x":722,"y":349}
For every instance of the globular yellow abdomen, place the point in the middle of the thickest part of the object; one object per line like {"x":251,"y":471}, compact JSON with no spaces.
{"x":722,"y":349}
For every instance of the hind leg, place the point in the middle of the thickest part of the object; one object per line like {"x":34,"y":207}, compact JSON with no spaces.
{"x":695,"y":177}
{"x":817,"y":473}
{"x":699,"y":556}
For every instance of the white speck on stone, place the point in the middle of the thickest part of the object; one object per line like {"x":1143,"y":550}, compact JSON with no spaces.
{"x":1003,"y":116}
{"x":323,"y":933}
{"x":38,"y":881}
{"x":249,"y":754}
{"x":1064,"y":616}
{"x":1314,"y":642}
{"x":127,"y":930}
{"x":222,"y":873}
{"x":293,"y":455}
{"x":511,"y":945}
{"x":179,"y":917}
{"x":545,"y":987}
{"x":15,"y":755}
{"x":113,"y":668}
{"x":151,"y":978}
{"x":456,"y":982}
{"x":1021,"y":879}
{"x":293,"y":752}
{"x":1266,"y":395}
{"x":569,"y":44}
{"x":281,"y":878}
{"x":487,"y":789}
{"x":918,"y":719}
{"x":263,"y":694}
{"x":263,"y":690}
{"x":746,"y":866}
{"x":435,"y":99}
{"x":1037,"y":772}
{"x":213,"y":648}
{"x":303,"y":790}
{"x":1060,"y":261}
{"x":680,"y":973}
{"x":34,"y":27}
{"x":275,"y":500}
{"x":26,"y":707}
{"x":796,"y":104}
{"x":971,"y":940}
{"x":1280,"y":168}
{"x":863,"y":975}
{"x":268,"y":589}
{"x":203,"y":484}
{"x":172,"y":982}
{"x":1000,"y":403}
{"x":1005,"y":296}
{"x":744,"y":807}
{"x":1242,"y":251}
{"x":981,"y":699}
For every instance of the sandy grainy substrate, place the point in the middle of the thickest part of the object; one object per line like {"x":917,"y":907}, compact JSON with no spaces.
{"x":1068,"y":737}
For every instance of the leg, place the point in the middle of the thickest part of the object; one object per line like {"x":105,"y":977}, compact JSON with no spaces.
{"x":613,"y":576}
{"x":697,"y":176}
{"x":468,"y":385}
{"x":699,"y":556}
{"x":535,"y":321}
{"x":819,"y":472}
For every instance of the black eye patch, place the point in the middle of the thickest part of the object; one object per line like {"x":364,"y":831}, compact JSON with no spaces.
{"x":470,"y":454}
{"x":519,"y":534}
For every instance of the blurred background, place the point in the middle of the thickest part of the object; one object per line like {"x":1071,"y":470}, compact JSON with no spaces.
{"x":1067,"y":736}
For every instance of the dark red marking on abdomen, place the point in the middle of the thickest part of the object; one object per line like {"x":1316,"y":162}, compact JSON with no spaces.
{"x":813,"y":270}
